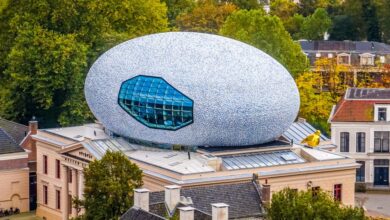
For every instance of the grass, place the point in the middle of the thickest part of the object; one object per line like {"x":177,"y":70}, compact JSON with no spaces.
{"x":22,"y":216}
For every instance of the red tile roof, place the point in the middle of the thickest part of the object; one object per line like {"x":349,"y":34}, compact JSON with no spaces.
{"x":356,"y":110}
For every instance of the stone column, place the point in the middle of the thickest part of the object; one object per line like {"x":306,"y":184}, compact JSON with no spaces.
{"x":81,"y":185}
{"x":65,"y":193}
{"x":75,"y":190}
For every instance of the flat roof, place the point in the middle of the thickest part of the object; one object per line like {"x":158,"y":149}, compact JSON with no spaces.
{"x":79,"y":133}
{"x":261,"y":159}
{"x":175,"y":161}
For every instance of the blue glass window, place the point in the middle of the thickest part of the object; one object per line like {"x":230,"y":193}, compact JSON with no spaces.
{"x":155,"y":103}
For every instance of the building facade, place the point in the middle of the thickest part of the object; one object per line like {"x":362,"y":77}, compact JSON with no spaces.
{"x":14,"y":174}
{"x":62,"y":155}
{"x":355,"y":62}
{"x":360,"y":125}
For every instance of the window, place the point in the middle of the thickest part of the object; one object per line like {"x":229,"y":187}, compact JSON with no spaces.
{"x":330,"y":55}
{"x":367,"y":60}
{"x":360,"y":172}
{"x":382,"y":114}
{"x":318,"y":55}
{"x":70,"y":176}
{"x":381,"y":162}
{"x":381,"y":141}
{"x":315,"y":190}
{"x":44,"y":164}
{"x":58,"y":169}
{"x":58,"y":199}
{"x":337,"y":191}
{"x":343,"y":59}
{"x":45,"y":196}
{"x":155,"y":103}
{"x":344,"y":142}
{"x":382,"y":59}
{"x":70,"y":204}
{"x":360,"y":142}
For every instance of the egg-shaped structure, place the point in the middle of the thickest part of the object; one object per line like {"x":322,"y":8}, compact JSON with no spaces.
{"x":192,"y":89}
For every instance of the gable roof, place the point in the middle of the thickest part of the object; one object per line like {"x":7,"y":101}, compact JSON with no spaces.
{"x":136,"y":213}
{"x":357,"y":105}
{"x":15,"y":130}
{"x":243,"y":198}
{"x":8,"y":144}
{"x":343,"y":46}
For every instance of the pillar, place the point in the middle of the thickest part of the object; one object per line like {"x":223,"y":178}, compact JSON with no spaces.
{"x":65,"y":193}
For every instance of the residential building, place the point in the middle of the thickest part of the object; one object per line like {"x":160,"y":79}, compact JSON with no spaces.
{"x":14,"y":174}
{"x":363,"y":59}
{"x":21,"y":134}
{"x":360,"y":126}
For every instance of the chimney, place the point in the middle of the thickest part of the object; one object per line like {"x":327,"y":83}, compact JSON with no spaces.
{"x":33,"y":126}
{"x":141,"y":198}
{"x":220,"y":211}
{"x":172,"y":196}
{"x":186,"y":213}
{"x":265,"y":193}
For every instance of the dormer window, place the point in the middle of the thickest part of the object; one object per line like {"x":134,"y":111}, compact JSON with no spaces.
{"x":367,"y":59}
{"x":318,"y":55}
{"x":382,"y":59}
{"x":344,"y":58}
{"x":330,"y":55}
{"x":382,"y":112}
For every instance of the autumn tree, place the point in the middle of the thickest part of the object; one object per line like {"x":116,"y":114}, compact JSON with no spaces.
{"x":316,"y":105}
{"x":343,"y":28}
{"x":267,"y":33}
{"x":207,"y":16}
{"x":109,"y":186}
{"x":177,"y":7}
{"x":307,"y":205}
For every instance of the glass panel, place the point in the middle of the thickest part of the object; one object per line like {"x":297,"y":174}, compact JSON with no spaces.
{"x":155,"y":103}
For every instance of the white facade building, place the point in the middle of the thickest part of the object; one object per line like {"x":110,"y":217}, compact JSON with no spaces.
{"x":360,"y":125}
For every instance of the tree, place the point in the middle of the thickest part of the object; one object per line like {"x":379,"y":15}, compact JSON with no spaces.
{"x":246,"y":4}
{"x":343,"y":28}
{"x":315,"y":104}
{"x":267,"y":33}
{"x":109,"y":186}
{"x":284,"y":9}
{"x":307,"y":205}
{"x":48,"y":45}
{"x":383,"y":7}
{"x":43,"y":70}
{"x":315,"y":25}
{"x":364,"y":15}
{"x":207,"y":16}
{"x":307,"y":7}
{"x":177,"y":7}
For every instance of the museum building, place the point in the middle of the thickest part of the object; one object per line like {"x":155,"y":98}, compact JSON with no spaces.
{"x":191,"y":110}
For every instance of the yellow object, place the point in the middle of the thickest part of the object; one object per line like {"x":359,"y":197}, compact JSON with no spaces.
{"x":312,"y":140}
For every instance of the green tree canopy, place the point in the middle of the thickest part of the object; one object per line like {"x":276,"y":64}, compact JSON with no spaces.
{"x":267,"y":33}
{"x":109,"y":186}
{"x":383,"y":7}
{"x":343,"y":28}
{"x":207,"y":16}
{"x":315,"y":25}
{"x":289,"y":204}
{"x":48,"y":45}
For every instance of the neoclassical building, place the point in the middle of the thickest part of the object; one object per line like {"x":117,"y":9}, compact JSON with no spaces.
{"x":191,"y":110}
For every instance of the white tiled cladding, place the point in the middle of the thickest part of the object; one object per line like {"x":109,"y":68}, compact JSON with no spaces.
{"x":241,"y":95}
